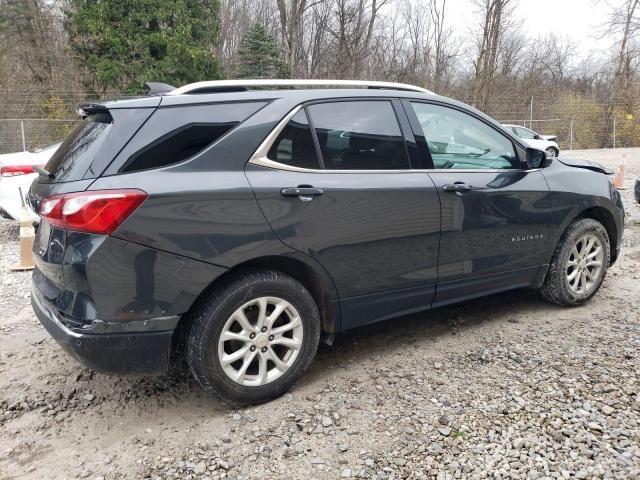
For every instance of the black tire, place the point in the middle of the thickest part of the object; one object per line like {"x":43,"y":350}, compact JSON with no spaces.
{"x":552,"y":151}
{"x":556,"y":286}
{"x":210,"y":315}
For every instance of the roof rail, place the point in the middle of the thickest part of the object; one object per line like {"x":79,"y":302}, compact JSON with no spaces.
{"x":218,"y":86}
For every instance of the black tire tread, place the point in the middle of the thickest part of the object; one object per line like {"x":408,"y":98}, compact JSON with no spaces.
{"x":554,"y":288}
{"x":206,"y":312}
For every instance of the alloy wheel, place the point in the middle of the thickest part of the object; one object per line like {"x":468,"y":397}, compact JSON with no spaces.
{"x":585,"y":264}
{"x":260,"y":341}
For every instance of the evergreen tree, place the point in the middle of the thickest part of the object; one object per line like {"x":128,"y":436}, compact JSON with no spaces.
{"x":259,"y":55}
{"x":123,"y":44}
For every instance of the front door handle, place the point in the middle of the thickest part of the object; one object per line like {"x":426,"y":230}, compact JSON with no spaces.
{"x":457,"y":187}
{"x":304,"y":192}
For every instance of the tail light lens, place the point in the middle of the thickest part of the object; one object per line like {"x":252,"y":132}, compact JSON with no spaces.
{"x":99,"y":211}
{"x":15,"y":170}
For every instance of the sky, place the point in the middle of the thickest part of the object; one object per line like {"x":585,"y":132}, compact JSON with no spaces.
{"x":580,"y":20}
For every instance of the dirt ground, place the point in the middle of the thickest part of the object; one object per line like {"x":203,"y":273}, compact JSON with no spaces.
{"x":502,"y":387}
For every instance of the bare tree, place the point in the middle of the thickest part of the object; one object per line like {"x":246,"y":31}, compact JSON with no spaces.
{"x":623,"y":21}
{"x":291,"y":24}
{"x":496,"y":16}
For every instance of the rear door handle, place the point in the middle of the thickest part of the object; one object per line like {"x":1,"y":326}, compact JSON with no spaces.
{"x":303,"y":192}
{"x":457,"y":187}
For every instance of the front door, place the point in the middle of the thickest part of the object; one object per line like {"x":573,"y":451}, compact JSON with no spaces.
{"x":495,"y":221}
{"x":346,"y":195}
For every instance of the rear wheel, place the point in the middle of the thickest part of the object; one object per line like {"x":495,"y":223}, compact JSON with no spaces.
{"x":253,"y":337}
{"x":579,"y":264}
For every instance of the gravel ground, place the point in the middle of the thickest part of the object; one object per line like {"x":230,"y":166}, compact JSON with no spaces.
{"x":502,"y":387}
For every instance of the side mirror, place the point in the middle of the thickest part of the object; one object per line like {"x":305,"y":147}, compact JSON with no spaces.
{"x":537,"y":137}
{"x":535,"y":158}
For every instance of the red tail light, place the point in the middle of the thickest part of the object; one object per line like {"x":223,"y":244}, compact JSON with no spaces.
{"x":99,"y":211}
{"x":15,"y":170}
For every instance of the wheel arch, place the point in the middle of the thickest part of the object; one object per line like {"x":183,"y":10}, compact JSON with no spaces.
{"x":602,"y":215}
{"x":313,"y":278}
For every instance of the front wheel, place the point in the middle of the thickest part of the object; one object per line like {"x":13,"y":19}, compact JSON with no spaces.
{"x":552,"y":152}
{"x":253,"y":337}
{"x":579,"y":264}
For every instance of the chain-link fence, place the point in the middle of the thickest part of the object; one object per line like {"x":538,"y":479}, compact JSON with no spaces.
{"x":578,"y":122}
{"x":17,"y":135}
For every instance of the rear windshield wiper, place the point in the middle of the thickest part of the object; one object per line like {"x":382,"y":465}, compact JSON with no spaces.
{"x":43,"y":172}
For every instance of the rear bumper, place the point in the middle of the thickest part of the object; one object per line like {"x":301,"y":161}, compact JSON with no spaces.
{"x":122,"y":353}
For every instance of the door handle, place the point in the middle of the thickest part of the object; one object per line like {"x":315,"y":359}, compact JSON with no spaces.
{"x":457,"y":187}
{"x":303,"y":192}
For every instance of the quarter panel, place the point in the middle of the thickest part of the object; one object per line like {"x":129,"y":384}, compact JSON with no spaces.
{"x":112,"y":280}
{"x":207,"y":216}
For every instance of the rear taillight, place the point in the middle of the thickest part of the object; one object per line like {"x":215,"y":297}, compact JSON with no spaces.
{"x":99,"y":211}
{"x":15,"y":170}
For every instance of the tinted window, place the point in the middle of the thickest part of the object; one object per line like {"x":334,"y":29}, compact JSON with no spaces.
{"x":177,"y":146}
{"x":359,"y":135}
{"x":459,"y":141}
{"x":80,"y":147}
{"x":173,"y":134}
{"x":294,"y":146}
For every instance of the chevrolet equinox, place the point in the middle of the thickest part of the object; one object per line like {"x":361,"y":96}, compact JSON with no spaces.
{"x":238,"y":223}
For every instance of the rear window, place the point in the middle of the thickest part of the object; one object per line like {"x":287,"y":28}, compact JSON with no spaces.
{"x":74,"y":157}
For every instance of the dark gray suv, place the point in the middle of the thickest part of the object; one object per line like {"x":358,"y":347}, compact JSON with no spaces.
{"x":238,"y":227}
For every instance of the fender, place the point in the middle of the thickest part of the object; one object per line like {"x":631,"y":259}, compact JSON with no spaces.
{"x":575,"y":191}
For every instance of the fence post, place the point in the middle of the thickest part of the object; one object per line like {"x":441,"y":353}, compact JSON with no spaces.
{"x":571,"y":134}
{"x":531,"y":114}
{"x":614,"y":132}
{"x":24,"y":141}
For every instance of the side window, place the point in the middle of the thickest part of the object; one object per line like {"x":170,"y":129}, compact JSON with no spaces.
{"x":457,"y":140}
{"x":524,"y":133}
{"x":174,"y":134}
{"x":294,"y":146}
{"x":359,"y":135}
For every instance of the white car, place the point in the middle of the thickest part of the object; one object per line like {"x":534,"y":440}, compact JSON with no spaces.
{"x":16,"y":174}
{"x":549,"y":143}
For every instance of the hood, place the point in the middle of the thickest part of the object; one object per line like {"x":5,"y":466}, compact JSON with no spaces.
{"x":551,"y":138}
{"x":587,"y":164}
{"x":29,"y":158}
{"x":17,"y":158}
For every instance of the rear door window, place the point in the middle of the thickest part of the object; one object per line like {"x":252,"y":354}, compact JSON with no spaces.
{"x":359,"y":135}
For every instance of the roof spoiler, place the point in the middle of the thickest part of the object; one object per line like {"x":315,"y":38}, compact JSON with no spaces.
{"x":158,"y":88}
{"x":86,"y":109}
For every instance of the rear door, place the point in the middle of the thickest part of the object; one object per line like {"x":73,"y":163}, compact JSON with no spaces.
{"x":337,"y":184}
{"x":495,"y":213}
